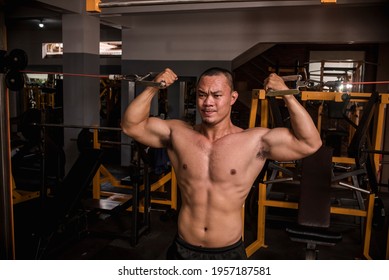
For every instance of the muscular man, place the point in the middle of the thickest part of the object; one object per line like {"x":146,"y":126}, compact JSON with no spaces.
{"x":215,"y":161}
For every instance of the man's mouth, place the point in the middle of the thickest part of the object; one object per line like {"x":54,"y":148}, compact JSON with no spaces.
{"x":208,"y":112}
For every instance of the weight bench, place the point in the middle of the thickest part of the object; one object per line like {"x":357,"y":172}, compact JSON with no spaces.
{"x":59,"y":210}
{"x":313,"y":219}
{"x":138,"y":189}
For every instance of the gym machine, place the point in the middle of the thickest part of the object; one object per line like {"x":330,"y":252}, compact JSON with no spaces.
{"x":364,"y":211}
{"x":313,"y":216}
{"x":136,"y":202}
{"x":132,"y":193}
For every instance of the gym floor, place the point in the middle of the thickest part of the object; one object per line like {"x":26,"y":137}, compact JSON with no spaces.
{"x":101,"y":236}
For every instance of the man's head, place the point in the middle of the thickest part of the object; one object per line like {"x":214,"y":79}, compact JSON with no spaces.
{"x":215,"y":71}
{"x":215,"y":95}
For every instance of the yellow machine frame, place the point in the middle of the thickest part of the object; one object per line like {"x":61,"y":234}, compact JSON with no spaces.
{"x":19,"y":195}
{"x":263,"y":202}
{"x":103,"y":175}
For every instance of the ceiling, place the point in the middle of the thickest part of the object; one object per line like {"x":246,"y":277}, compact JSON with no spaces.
{"x":119,"y":13}
{"x":24,"y":13}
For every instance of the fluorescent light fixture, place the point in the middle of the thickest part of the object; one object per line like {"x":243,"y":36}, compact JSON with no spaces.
{"x":107,"y":49}
{"x":41,"y":24}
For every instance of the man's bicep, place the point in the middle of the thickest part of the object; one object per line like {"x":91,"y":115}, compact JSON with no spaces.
{"x":281,"y":145}
{"x":154,"y":133}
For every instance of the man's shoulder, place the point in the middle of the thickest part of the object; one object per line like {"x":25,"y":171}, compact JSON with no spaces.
{"x":256,"y":130}
{"x":249,"y":134}
{"x":180,"y":124}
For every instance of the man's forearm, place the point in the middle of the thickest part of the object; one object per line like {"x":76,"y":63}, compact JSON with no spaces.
{"x":139,"y":109}
{"x":303,"y":126}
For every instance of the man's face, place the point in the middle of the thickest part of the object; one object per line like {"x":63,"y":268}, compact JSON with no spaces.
{"x":214,"y":98}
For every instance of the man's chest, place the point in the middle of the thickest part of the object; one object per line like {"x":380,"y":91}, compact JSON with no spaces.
{"x":223,"y":160}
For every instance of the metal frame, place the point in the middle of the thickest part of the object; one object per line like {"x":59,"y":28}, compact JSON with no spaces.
{"x":7,"y":240}
{"x":104,"y":175}
{"x":264,"y":202}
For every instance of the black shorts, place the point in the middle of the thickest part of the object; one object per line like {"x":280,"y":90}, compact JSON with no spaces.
{"x":181,"y":250}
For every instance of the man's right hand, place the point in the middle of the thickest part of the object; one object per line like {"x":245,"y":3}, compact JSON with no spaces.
{"x":275,"y":82}
{"x":167,"y":77}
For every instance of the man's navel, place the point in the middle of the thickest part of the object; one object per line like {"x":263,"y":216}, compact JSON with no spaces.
{"x":233,"y":171}
{"x":184,"y":166}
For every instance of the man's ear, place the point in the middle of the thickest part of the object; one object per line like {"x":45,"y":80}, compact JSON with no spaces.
{"x":234,"y":97}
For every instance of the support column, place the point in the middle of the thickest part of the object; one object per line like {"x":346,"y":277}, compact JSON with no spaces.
{"x":176,"y":100}
{"x":7,"y":237}
{"x":7,"y":246}
{"x":81,"y":101}
{"x":128,"y":93}
{"x":382,"y":74}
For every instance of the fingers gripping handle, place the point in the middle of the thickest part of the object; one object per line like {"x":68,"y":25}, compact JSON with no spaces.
{"x":289,"y":78}
{"x":161,"y":85}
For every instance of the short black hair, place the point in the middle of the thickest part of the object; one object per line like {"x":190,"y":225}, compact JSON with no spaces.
{"x":214,"y":71}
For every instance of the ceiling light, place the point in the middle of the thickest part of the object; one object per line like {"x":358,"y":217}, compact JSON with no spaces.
{"x":41,"y":24}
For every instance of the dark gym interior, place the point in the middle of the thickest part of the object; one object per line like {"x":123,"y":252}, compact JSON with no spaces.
{"x":74,"y":187}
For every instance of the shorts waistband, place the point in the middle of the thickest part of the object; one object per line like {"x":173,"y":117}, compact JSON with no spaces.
{"x":189,"y":246}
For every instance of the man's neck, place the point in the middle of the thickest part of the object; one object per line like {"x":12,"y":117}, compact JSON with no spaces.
{"x":215,"y":132}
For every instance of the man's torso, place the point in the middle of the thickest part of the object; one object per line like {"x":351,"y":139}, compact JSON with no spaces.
{"x":214,"y":179}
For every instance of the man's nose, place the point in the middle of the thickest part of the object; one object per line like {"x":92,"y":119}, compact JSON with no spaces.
{"x":208,"y":100}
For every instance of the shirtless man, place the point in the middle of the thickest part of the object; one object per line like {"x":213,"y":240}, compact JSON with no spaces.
{"x":215,"y":161}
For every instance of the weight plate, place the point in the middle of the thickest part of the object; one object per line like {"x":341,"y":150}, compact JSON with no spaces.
{"x":14,"y":80}
{"x":17,"y":59}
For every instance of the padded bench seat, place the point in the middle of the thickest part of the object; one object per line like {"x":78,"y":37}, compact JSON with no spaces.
{"x":319,"y":236}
